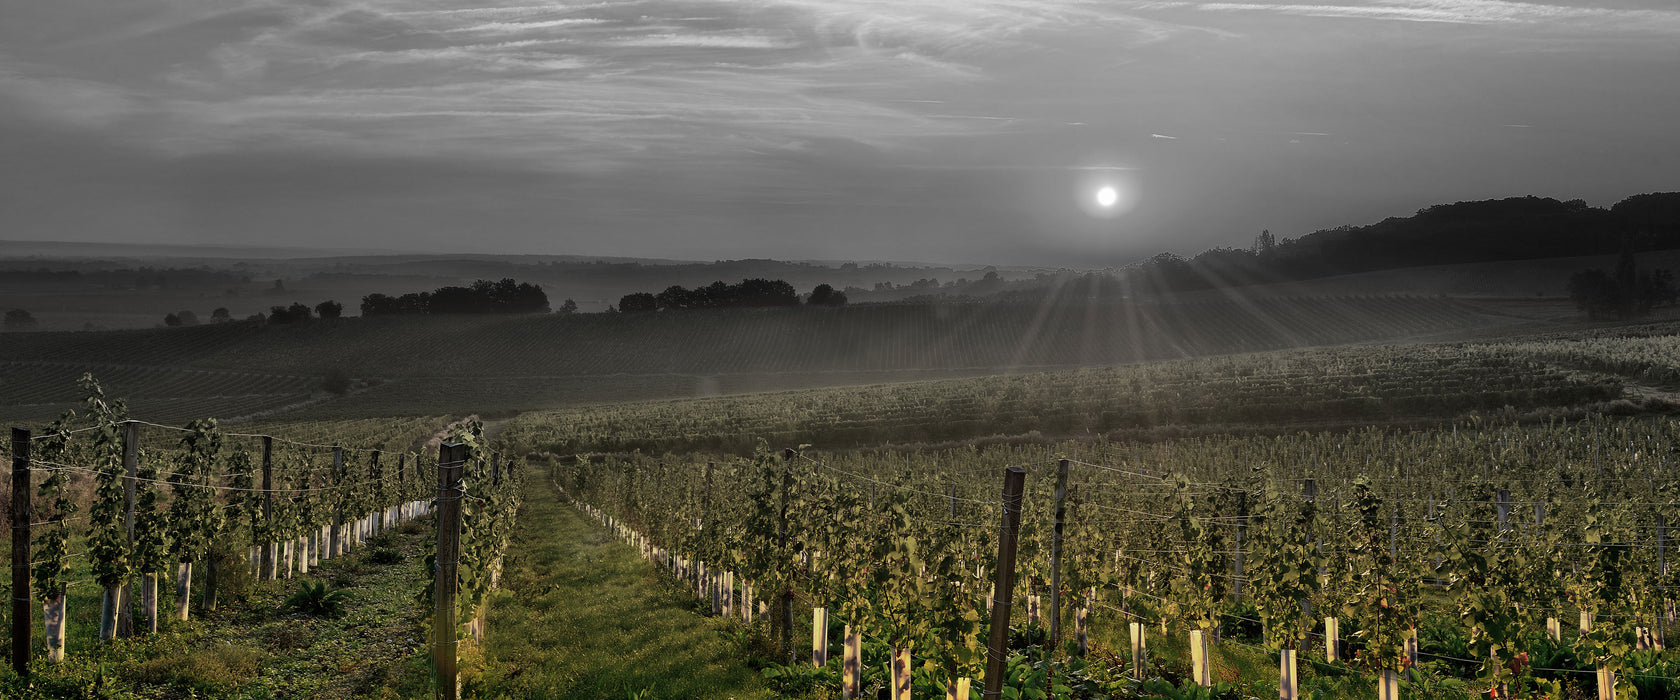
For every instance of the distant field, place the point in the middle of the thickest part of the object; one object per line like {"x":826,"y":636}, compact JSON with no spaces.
{"x":1279,"y":390}
{"x":503,"y":364}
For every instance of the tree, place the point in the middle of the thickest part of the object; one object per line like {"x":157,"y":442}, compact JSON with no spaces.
{"x":1628,"y":293}
{"x":825,"y":295}
{"x":637,"y":302}
{"x":171,"y":320}
{"x":568,"y":307}
{"x":329,"y":309}
{"x":188,"y":318}
{"x":20,"y":320}
{"x":221,"y":315}
{"x":296,"y":313}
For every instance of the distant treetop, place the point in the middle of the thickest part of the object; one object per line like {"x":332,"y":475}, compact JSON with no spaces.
{"x":483,"y":297}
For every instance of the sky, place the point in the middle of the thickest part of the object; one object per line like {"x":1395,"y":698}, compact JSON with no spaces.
{"x":958,"y":131}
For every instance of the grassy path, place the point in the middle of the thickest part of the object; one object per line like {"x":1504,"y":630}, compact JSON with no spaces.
{"x":580,"y":615}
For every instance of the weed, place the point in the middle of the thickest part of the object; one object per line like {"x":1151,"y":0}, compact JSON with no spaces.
{"x":317,"y":599}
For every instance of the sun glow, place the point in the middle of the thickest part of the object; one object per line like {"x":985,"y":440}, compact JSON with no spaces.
{"x":1106,"y":197}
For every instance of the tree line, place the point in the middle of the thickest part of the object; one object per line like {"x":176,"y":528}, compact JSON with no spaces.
{"x":482,"y":297}
{"x":750,"y":293}
{"x":1516,"y":228}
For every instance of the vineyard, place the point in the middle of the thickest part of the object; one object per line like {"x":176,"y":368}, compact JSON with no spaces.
{"x":1516,"y":561}
{"x":1268,"y":391}
{"x":124,"y":529}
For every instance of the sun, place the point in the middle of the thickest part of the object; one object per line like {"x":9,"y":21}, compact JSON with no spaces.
{"x":1107,"y":197}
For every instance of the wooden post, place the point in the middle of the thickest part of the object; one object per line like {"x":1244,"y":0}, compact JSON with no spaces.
{"x":1606,"y":683}
{"x":1332,"y":640}
{"x":451,"y":457}
{"x":959,"y":691}
{"x":901,"y":673}
{"x":1502,"y":509}
{"x":266,"y":569}
{"x":1056,"y":556}
{"x":819,"y":637}
{"x":378,"y":479}
{"x":1554,"y":629}
{"x":23,"y":622}
{"x":1140,"y":651}
{"x":1289,"y":684}
{"x":782,"y":550}
{"x":1199,"y":666}
{"x":131,"y":472}
{"x":1586,"y":622}
{"x":1003,"y":591}
{"x":335,"y":536}
{"x":851,"y":665}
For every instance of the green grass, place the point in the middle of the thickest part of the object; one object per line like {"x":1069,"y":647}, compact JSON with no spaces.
{"x":253,"y":648}
{"x":580,"y":615}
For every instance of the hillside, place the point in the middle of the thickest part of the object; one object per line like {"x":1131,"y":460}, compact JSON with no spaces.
{"x":430,"y":365}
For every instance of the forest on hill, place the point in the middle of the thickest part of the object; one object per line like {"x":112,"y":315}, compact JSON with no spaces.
{"x":1516,"y":228}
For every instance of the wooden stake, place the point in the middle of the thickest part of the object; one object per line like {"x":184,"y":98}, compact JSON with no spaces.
{"x":1554,"y":629}
{"x":1606,"y":683}
{"x":451,"y":457}
{"x":1332,"y":639}
{"x":335,"y":537}
{"x":266,"y":569}
{"x":131,"y":470}
{"x":1003,"y":591}
{"x":1056,"y":556}
{"x":23,"y":610}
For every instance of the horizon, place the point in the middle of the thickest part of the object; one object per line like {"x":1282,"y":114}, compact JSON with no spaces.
{"x":1036,"y":133}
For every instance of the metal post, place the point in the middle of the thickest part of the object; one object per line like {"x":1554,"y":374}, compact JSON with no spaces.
{"x":997,"y":645}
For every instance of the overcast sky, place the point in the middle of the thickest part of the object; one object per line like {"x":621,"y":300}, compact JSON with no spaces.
{"x":950,"y":131}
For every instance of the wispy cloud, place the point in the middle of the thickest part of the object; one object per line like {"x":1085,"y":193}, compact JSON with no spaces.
{"x":1485,"y":12}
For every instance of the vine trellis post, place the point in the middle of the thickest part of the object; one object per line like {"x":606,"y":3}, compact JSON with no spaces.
{"x":1003,"y":591}
{"x":23,"y":621}
{"x":1056,"y":555}
{"x":131,"y":473}
{"x":265,"y":570}
{"x":451,"y":457}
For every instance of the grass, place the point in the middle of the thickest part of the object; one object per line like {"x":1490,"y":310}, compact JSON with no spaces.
{"x":251,"y":647}
{"x":580,"y":615}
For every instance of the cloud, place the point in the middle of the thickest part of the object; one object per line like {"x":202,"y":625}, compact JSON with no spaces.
{"x":1483,"y":12}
